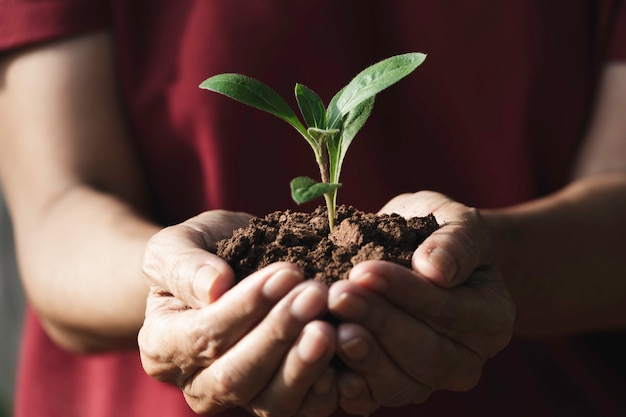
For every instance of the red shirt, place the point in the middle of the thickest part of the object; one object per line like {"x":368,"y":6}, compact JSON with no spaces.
{"x":493,"y":118}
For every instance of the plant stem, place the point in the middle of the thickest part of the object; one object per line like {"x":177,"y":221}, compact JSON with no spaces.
{"x":329,"y":197}
{"x":330,"y":206}
{"x":322,"y":162}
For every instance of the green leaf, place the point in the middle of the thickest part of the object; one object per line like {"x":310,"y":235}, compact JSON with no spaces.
{"x":338,"y":145}
{"x":321,"y":136}
{"x":333,"y":116}
{"x":253,"y":93}
{"x":311,"y":107}
{"x":305,"y":189}
{"x":370,"y":82}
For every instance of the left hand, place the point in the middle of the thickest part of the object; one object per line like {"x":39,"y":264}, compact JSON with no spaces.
{"x":407,"y":332}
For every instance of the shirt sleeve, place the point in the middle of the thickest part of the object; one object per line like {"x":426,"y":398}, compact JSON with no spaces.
{"x":26,"y":22}
{"x":617,"y":44}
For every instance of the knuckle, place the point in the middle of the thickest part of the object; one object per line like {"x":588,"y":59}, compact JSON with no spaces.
{"x":217,"y":387}
{"x":205,"y":346}
{"x":467,"y":242}
{"x":149,"y":264}
{"x":153,"y":369}
{"x":179,"y":268}
{"x":469,"y":234}
{"x":279,"y":335}
{"x":227,"y":389}
{"x":281,"y":329}
{"x":155,"y":362}
{"x":203,"y":405}
{"x":482,"y":236}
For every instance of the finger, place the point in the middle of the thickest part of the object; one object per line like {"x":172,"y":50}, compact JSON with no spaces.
{"x":178,"y":258}
{"x":322,"y":398}
{"x":354,"y":394}
{"x":304,"y":365}
{"x":247,"y":367}
{"x":479,"y":314}
{"x":451,"y":253}
{"x":411,"y":344}
{"x":418,"y":204}
{"x":388,"y":384}
{"x":215,"y":225}
{"x":195,"y":276}
{"x":405,"y":289}
{"x":175,"y":340}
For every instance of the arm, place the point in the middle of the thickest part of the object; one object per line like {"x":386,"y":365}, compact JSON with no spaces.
{"x":84,"y":241}
{"x":563,"y":256}
{"x":74,"y":192}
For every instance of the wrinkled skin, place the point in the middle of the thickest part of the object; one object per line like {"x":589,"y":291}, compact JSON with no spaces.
{"x":262,"y":344}
{"x":407,"y":333}
{"x":259,"y":345}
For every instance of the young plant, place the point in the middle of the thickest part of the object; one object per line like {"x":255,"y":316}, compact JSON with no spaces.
{"x":329,"y":131}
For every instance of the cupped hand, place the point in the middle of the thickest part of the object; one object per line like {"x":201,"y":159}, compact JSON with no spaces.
{"x":408,"y":332}
{"x":258,"y":344}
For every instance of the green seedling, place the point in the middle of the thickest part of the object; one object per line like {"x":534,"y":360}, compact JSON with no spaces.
{"x":328,"y":130}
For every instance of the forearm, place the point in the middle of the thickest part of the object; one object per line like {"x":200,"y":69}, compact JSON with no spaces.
{"x":563,"y":257}
{"x":72,"y":183}
{"x":81,"y":264}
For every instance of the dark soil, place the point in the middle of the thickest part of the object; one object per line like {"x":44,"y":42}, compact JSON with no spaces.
{"x":304,"y":239}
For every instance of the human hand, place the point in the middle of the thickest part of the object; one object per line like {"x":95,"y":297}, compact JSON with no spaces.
{"x":406,"y":333}
{"x":258,"y":345}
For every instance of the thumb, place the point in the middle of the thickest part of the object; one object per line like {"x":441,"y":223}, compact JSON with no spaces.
{"x":176,"y":260}
{"x":212,"y":278}
{"x":449,"y":255}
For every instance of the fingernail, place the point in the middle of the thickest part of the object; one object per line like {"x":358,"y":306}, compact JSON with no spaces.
{"x":355,"y":349}
{"x":371,"y":281}
{"x":325,"y":384}
{"x":204,"y":284}
{"x":443,"y":262}
{"x":350,"y":306}
{"x":280,"y":283}
{"x":313,"y":344}
{"x":309,"y":303}
{"x":350,"y":388}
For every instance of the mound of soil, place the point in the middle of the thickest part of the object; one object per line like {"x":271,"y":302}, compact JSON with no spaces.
{"x":304,"y":239}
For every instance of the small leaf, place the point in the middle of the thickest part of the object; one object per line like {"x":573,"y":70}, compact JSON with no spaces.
{"x":311,"y":107}
{"x":253,"y":93}
{"x":321,"y":136}
{"x":305,"y":189}
{"x":370,"y":82}
{"x":338,"y":145}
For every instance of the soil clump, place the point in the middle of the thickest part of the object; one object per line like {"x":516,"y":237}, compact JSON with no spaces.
{"x":304,"y":239}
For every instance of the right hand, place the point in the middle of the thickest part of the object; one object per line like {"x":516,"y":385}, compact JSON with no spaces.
{"x":259,"y":345}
